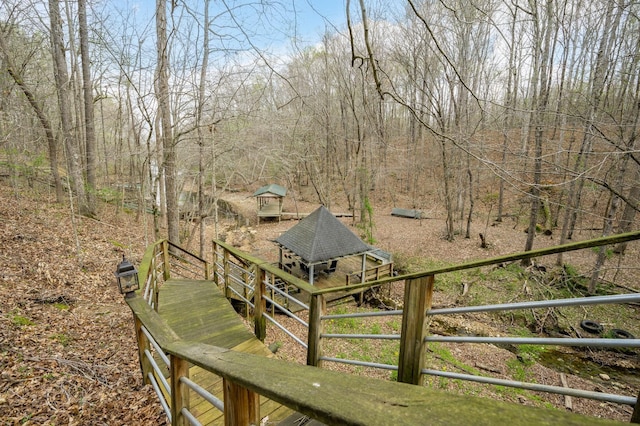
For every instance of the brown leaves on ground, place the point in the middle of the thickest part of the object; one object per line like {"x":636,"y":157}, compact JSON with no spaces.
{"x":68,"y":351}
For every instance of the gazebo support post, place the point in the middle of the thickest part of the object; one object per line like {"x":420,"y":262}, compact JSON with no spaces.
{"x":362,"y":277}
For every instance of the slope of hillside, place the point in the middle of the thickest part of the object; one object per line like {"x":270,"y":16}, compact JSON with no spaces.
{"x":66,"y":337}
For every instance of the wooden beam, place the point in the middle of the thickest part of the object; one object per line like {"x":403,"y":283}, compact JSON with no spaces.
{"x":179,"y":391}
{"x":630,"y":236}
{"x":317,"y":308}
{"x":417,"y":300}
{"x":143,"y":345}
{"x":225,"y":265}
{"x":215,"y":263}
{"x":165,"y":260}
{"x":260,"y":305}
{"x":241,"y":406}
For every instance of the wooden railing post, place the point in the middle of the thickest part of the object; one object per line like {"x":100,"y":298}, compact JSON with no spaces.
{"x":417,"y":301}
{"x":241,"y":406}
{"x":155,"y":291}
{"x":215,"y":263}
{"x":153,"y":280}
{"x":143,"y":345}
{"x":317,"y":308}
{"x":635,"y":417}
{"x":165,"y":260}
{"x":206,"y":270}
{"x":260,"y":305}
{"x":225,"y":264}
{"x":179,"y":391}
{"x":245,"y":291}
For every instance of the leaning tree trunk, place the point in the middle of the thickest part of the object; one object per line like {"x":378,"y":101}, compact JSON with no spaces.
{"x":42,"y":118}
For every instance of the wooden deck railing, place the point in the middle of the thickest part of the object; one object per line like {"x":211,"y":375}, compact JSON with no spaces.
{"x":372,"y":274}
{"x":330,"y":397}
{"x":418,"y":293}
{"x":164,"y":259}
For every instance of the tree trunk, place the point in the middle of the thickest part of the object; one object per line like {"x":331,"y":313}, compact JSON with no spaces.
{"x":537,"y":121}
{"x":201,"y":166}
{"x":597,"y":88}
{"x":87,"y":87}
{"x":62,"y":86}
{"x":168,"y":145}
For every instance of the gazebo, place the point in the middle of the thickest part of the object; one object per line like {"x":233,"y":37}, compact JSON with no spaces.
{"x":319,"y":241}
{"x":270,"y":198}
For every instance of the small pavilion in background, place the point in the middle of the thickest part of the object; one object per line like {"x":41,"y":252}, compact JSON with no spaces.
{"x":270,"y":199}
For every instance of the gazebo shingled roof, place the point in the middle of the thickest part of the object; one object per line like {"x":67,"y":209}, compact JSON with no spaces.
{"x":320,"y":237}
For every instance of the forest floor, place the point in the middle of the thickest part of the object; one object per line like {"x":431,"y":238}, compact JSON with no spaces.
{"x":68,"y":351}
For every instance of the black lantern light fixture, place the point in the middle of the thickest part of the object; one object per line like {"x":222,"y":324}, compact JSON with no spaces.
{"x":127,"y":277}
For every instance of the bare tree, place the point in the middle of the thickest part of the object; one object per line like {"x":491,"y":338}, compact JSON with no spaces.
{"x":64,"y":101}
{"x":87,"y":87}
{"x":165,"y":128}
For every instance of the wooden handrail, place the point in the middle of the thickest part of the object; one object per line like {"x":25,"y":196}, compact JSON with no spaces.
{"x":269,"y":267}
{"x":418,"y":290}
{"x":333,"y":397}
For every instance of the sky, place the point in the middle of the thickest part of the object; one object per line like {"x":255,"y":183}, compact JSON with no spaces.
{"x":304,"y":20}
{"x":316,"y":15}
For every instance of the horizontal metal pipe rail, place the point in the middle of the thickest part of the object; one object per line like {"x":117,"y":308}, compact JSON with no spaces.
{"x":241,"y":297}
{"x":190,"y":417}
{"x":572,"y":342}
{"x":192,"y":273}
{"x":579,"y":393}
{"x":395,"y":312}
{"x":287,"y":296}
{"x":285,"y":311}
{"x":157,"y":347}
{"x":577,"y":301}
{"x":158,"y":371}
{"x":542,"y":341}
{"x":360,"y":336}
{"x":360,"y":363}
{"x":286,"y":331}
{"x":205,"y":394}
{"x":158,"y":391}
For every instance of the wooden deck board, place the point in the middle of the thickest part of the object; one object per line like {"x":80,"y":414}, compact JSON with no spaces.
{"x":198,"y":311}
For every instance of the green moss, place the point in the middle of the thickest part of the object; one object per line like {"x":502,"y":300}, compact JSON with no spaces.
{"x":21,"y":321}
